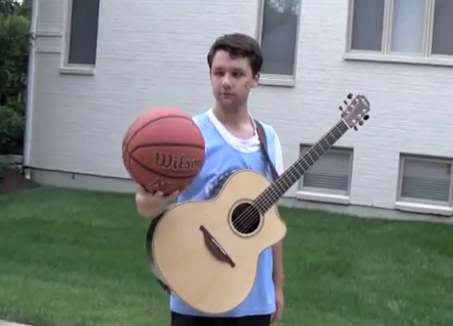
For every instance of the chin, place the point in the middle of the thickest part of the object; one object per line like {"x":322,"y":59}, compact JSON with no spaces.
{"x":230,"y":106}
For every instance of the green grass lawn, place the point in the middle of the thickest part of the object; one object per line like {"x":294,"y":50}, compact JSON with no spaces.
{"x":77,"y":258}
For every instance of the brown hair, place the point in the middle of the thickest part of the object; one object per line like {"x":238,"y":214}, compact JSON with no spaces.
{"x":238,"y":46}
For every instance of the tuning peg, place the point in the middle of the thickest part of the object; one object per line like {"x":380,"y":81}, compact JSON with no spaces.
{"x":349,"y":96}
{"x":345,"y":102}
{"x":366,"y":117}
{"x":361,"y":123}
{"x":355,"y":128}
{"x":340,"y":108}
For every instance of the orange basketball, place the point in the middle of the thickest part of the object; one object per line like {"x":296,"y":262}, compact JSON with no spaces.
{"x":163,"y":150}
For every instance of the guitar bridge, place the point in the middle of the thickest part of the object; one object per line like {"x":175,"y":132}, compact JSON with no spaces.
{"x":215,"y":248}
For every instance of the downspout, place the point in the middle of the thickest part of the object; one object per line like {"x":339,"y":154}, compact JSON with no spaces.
{"x":28,"y":132}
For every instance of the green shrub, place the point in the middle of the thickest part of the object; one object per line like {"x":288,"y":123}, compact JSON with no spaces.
{"x":14,"y":49}
{"x":11,"y":128}
{"x":3,"y":168}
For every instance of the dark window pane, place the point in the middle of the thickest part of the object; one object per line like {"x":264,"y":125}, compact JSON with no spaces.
{"x":84,"y":32}
{"x":426,"y":180}
{"x":367,"y":25}
{"x":443,"y":28}
{"x":279,"y":36}
{"x":331,"y":172}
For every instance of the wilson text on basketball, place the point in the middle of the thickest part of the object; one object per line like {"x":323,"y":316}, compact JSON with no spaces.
{"x":178,"y":162}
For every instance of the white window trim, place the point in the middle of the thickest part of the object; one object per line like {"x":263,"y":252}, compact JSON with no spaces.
{"x":322,"y":198}
{"x":423,"y":206}
{"x":274,"y":79}
{"x":424,"y":209}
{"x":385,"y":55}
{"x":65,"y":67}
{"x":327,"y":195}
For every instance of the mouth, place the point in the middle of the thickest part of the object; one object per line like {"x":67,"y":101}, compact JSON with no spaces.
{"x":226,"y":94}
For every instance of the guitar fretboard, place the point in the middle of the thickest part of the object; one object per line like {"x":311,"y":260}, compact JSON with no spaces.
{"x":286,"y":180}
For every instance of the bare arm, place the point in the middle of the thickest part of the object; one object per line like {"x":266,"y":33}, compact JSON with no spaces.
{"x":277,"y":272}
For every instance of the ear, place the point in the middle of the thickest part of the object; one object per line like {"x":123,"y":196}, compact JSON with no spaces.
{"x":210,"y":76}
{"x":256,"y":79}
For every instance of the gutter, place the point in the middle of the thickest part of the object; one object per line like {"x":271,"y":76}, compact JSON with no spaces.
{"x":28,"y":132}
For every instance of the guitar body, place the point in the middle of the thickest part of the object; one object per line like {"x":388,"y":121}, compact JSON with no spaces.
{"x":207,"y":252}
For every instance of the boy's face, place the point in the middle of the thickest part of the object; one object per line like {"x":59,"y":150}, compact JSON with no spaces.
{"x":231,"y":80}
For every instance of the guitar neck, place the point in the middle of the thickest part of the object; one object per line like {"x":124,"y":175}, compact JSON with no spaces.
{"x":286,"y":180}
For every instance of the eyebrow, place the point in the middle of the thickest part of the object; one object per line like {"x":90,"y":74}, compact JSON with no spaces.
{"x":234,"y":69}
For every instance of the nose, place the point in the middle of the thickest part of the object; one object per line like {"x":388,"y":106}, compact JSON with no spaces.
{"x":226,"y":81}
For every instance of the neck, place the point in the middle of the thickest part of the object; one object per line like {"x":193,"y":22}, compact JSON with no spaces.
{"x":231,"y":117}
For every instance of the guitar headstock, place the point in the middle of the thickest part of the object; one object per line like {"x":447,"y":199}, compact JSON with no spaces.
{"x":355,"y":110}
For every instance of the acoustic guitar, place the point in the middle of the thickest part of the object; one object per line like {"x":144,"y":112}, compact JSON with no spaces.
{"x":206,"y":252}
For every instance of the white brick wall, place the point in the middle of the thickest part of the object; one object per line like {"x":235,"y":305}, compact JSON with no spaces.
{"x":153,"y":54}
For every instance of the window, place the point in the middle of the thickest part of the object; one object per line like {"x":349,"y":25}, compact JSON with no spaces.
{"x":425,"y":180}
{"x":331,"y":173}
{"x":82,"y":32}
{"x":278,"y":36}
{"x":417,"y":28}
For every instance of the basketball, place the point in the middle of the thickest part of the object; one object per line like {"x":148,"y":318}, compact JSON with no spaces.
{"x":163,"y":150}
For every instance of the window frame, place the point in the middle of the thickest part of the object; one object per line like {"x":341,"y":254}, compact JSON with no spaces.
{"x":325,"y":191}
{"x":422,"y":158}
{"x":276,"y":79}
{"x":385,"y":55}
{"x":65,"y":66}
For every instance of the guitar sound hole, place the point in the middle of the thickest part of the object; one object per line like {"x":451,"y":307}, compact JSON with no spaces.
{"x":245,"y":218}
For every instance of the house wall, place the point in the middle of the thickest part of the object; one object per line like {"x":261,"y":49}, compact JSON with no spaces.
{"x":153,"y":54}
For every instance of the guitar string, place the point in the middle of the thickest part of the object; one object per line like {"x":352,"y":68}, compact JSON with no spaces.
{"x":246,"y":218}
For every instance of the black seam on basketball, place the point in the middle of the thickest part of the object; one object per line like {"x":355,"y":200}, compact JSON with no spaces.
{"x":126,"y":159}
{"x":129,"y":163}
{"x":164,"y":145}
{"x":156,"y":119}
{"x":163,"y":174}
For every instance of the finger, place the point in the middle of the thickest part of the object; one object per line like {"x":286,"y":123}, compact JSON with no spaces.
{"x":159,"y":194}
{"x":140,"y":189}
{"x":172,"y":195}
{"x":277,"y":315}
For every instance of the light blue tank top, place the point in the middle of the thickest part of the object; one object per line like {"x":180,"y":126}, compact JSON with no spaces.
{"x":222,"y":159}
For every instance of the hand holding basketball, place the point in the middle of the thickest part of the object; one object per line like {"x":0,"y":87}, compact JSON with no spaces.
{"x":149,"y":204}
